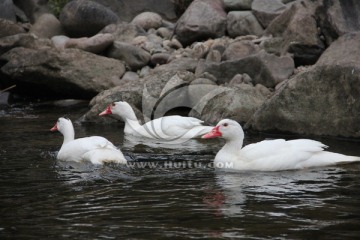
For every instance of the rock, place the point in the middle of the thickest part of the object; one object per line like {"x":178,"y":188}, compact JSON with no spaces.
{"x":134,"y":57}
{"x":32,"y":9}
{"x":165,"y":90}
{"x":8,"y":28}
{"x":267,"y":10}
{"x":266,"y":69}
{"x":148,"y":20}
{"x":159,"y":59}
{"x":60,"y":41}
{"x":4,"y":98}
{"x":234,"y":5}
{"x":238,"y":102}
{"x":130,"y":76}
{"x":239,"y":49}
{"x":127,"y":10}
{"x":22,"y":40}
{"x":202,"y":20}
{"x":240,"y":23}
{"x":188,"y":64}
{"x":124,"y":32}
{"x":336,"y":18}
{"x":129,"y":91}
{"x":213,"y":56}
{"x":94,"y":44}
{"x":46,"y":26}
{"x":298,"y":29}
{"x":85,"y":18}
{"x":320,"y":100}
{"x":7,"y":10}
{"x":71,"y":73}
{"x":164,"y":32}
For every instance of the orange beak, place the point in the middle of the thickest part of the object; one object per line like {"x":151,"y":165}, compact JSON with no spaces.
{"x":106,"y":111}
{"x":215,"y":132}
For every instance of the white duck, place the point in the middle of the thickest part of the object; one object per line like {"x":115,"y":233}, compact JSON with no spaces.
{"x":270,"y":155}
{"x":95,"y":149}
{"x":168,"y":127}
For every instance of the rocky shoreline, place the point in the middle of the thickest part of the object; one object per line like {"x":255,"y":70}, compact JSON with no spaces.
{"x":272,"y":65}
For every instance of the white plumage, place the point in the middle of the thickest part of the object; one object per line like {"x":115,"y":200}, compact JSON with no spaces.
{"x":95,"y":149}
{"x":270,"y":155}
{"x":168,"y":127}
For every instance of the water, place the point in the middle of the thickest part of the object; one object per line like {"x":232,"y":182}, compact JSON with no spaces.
{"x":41,"y":198}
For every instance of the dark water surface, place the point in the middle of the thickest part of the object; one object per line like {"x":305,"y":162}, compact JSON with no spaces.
{"x":168,"y":193}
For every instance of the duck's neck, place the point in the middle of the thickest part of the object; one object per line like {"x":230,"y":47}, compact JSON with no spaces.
{"x":131,"y":122}
{"x":234,"y":144}
{"x":69,"y":134}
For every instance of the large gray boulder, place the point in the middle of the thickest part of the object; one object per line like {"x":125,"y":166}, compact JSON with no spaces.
{"x":322,"y":100}
{"x":298,"y":32}
{"x":85,"y":18}
{"x":337,"y":18}
{"x":202,"y":20}
{"x":69,"y":73}
{"x":266,"y":69}
{"x":236,"y":102}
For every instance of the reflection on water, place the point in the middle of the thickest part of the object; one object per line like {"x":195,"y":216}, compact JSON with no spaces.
{"x":42,"y":198}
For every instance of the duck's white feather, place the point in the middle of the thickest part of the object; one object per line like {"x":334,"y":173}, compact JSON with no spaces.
{"x":95,"y":149}
{"x":273,"y":155}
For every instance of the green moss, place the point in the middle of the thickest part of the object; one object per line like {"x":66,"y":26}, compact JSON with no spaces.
{"x":57,"y":5}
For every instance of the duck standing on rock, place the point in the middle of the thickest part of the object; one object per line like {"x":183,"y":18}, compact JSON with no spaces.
{"x":95,"y":149}
{"x":167,"y":128}
{"x":270,"y":155}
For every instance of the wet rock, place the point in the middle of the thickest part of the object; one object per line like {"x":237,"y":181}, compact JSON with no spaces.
{"x":71,"y":72}
{"x":94,"y":44}
{"x":240,"y":23}
{"x":148,"y":20}
{"x":46,"y":26}
{"x":85,"y":18}
{"x":301,"y":105}
{"x":134,"y":57}
{"x":202,"y":20}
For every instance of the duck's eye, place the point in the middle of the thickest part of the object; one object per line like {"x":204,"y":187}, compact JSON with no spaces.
{"x":225,"y":124}
{"x":113,"y":104}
